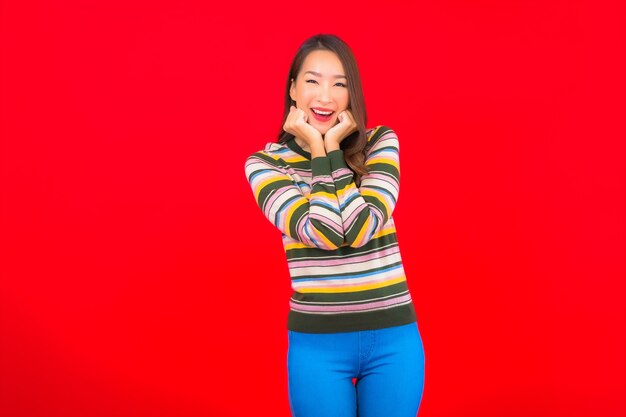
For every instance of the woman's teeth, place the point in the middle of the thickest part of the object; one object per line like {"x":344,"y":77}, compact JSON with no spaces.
{"x":322,"y":113}
{"x":323,"y":118}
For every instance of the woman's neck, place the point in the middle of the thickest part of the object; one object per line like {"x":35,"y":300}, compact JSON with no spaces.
{"x":302,"y":144}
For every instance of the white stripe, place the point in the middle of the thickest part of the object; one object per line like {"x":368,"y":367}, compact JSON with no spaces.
{"x":381,"y":277}
{"x":349,"y":268}
{"x":352,"y":312}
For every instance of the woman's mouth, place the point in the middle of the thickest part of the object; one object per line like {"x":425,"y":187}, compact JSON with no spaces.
{"x":322,"y":117}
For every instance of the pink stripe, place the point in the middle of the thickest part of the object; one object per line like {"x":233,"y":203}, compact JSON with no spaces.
{"x":383,"y":177}
{"x":385,"y":136}
{"x":345,"y":282}
{"x":350,"y":220}
{"x":346,"y":308}
{"x":341,"y":172}
{"x":273,"y":198}
{"x":316,"y":234}
{"x":372,"y":210}
{"x":368,"y":232}
{"x":324,"y":179}
{"x":304,"y":173}
{"x":295,"y":264}
{"x":327,"y":222}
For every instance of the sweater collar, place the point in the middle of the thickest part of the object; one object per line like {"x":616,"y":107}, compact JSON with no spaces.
{"x":293,"y":145}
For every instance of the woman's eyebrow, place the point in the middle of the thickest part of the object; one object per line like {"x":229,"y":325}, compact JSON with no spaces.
{"x":319,"y":75}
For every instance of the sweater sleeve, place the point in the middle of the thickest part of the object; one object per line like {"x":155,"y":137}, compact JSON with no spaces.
{"x":315,"y":221}
{"x":367,"y":208}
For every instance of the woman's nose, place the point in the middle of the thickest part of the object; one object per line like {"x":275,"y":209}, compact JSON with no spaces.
{"x":324,"y":94}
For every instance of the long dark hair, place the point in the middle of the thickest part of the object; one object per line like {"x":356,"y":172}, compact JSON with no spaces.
{"x":354,"y":145}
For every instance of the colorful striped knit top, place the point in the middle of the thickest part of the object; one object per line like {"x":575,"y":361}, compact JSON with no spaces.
{"x":339,"y":239}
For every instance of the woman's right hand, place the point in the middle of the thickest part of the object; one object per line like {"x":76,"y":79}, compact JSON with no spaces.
{"x":297,"y":125}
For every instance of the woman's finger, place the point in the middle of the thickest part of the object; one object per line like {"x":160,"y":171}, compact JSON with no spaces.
{"x":351,"y":116}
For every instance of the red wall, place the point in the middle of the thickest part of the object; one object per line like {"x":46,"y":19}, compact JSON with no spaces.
{"x":140,"y":279}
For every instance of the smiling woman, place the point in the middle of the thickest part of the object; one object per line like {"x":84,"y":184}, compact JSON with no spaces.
{"x":313,"y":82}
{"x":325,"y":65}
{"x":330,"y":185}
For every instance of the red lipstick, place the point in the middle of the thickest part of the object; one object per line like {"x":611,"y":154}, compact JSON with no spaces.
{"x":321,"y":117}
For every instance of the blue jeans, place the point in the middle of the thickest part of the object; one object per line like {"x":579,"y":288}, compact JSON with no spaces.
{"x":388,"y":365}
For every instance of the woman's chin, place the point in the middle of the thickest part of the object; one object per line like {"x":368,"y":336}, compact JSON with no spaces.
{"x":325,"y":127}
{"x":321,"y":129}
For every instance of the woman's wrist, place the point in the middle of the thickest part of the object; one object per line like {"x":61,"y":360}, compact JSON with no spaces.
{"x":317,"y":149}
{"x":331,"y":146}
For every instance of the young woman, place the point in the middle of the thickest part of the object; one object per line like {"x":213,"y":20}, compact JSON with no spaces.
{"x":330,"y":185}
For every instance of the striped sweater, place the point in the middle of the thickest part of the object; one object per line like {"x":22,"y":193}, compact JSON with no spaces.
{"x":339,"y":239}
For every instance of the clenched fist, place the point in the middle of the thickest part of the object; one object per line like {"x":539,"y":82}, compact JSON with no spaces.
{"x":297,"y":125}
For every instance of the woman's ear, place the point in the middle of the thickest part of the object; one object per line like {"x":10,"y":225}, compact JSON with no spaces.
{"x":292,"y":90}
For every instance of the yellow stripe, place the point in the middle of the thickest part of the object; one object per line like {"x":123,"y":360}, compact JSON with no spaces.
{"x":295,"y":159}
{"x":361,"y":233}
{"x":384,"y":232}
{"x":324,"y":193}
{"x":290,"y":212}
{"x":298,"y":245}
{"x":379,"y":197}
{"x":382,"y":160}
{"x":374,"y":132}
{"x":326,"y":241}
{"x":363,"y":287}
{"x":345,"y":189}
{"x":265,"y":183}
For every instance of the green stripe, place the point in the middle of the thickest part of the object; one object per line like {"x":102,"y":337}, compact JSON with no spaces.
{"x":297,"y":215}
{"x":350,"y":322}
{"x":357,"y":225}
{"x":344,"y":274}
{"x":352,"y":296}
{"x":328,"y":232}
{"x":374,"y":139}
{"x":376,"y":243}
{"x":267,"y":189}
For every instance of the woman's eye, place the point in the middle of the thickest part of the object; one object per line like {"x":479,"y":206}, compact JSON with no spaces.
{"x":341,"y":84}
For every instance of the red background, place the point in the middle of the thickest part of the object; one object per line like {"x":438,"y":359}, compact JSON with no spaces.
{"x":140,"y":279}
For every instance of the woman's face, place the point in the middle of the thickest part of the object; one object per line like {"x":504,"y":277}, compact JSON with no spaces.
{"x":321,"y":84}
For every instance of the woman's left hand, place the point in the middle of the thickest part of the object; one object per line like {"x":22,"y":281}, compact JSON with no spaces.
{"x":341,"y":130}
